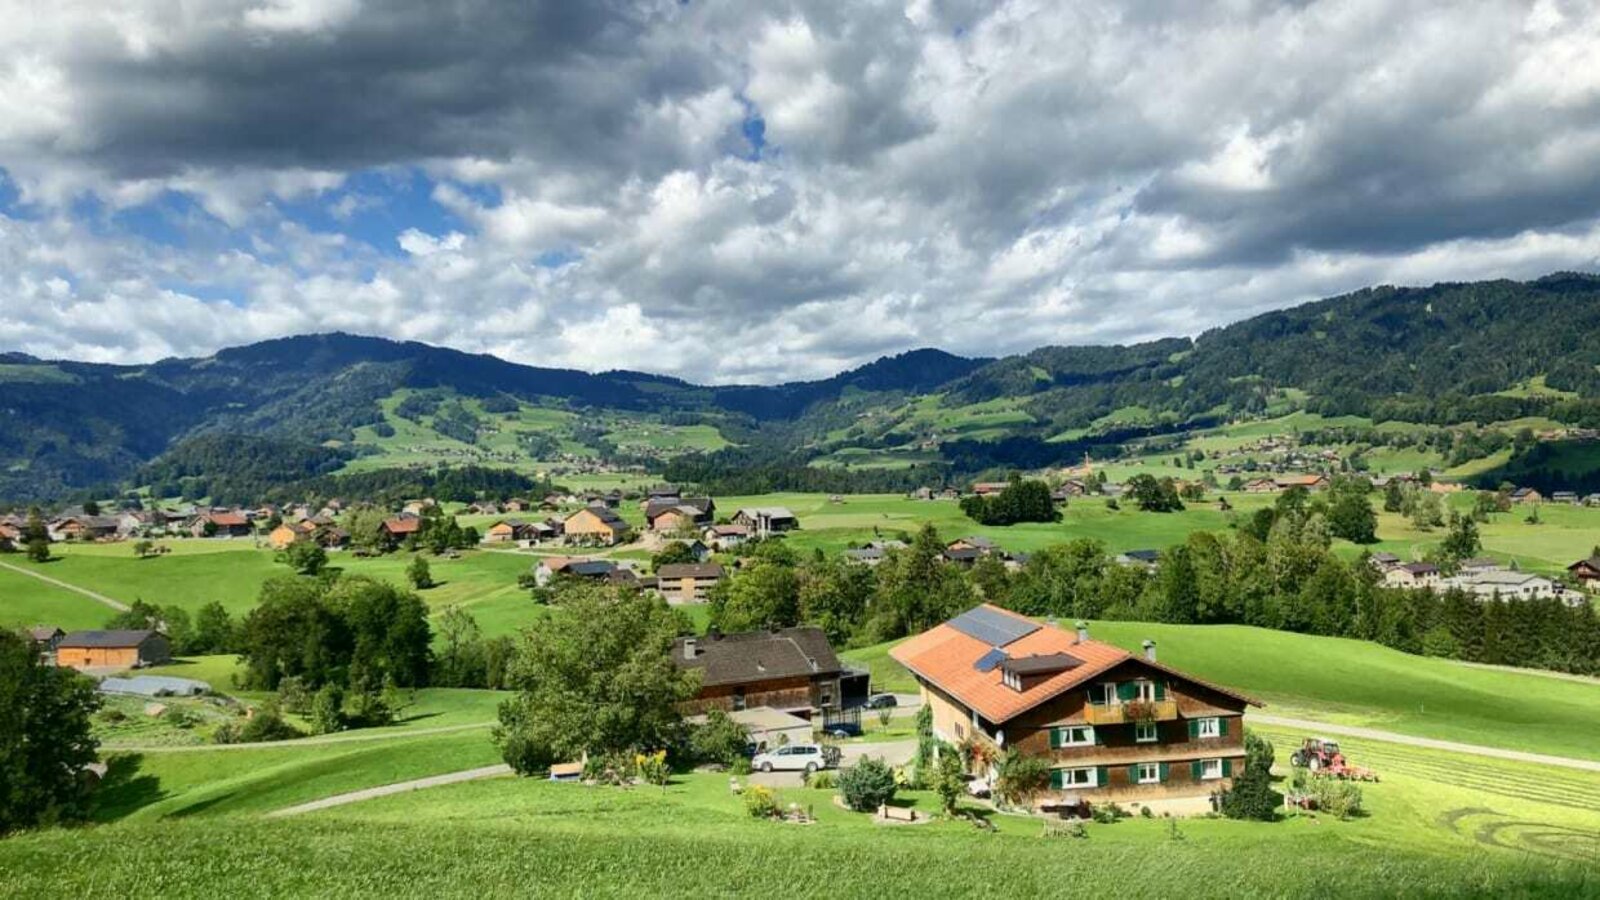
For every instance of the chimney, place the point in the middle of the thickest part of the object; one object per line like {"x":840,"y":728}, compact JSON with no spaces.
{"x":691,"y":648}
{"x":1083,"y":632}
{"x":1150,"y":650}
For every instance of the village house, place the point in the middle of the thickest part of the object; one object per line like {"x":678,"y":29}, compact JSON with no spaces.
{"x":985,"y":488}
{"x":508,"y":531}
{"x":44,"y":639}
{"x":1311,"y":482}
{"x":1260,"y":486}
{"x":596,"y":525}
{"x":112,"y":649}
{"x":983,"y":545}
{"x":1412,"y":575}
{"x":400,"y":529}
{"x":83,"y":528}
{"x":1526,"y":495}
{"x":226,"y":523}
{"x":1505,"y":584}
{"x":1383,"y":562}
{"x":1113,"y":727}
{"x":687,"y":582}
{"x":1147,"y":558}
{"x":726,"y":537}
{"x":789,"y":669}
{"x":680,"y":515}
{"x":578,"y":567}
{"x":766,"y":520}
{"x":1586,"y":572}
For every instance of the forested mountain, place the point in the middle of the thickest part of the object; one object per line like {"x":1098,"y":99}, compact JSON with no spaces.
{"x":1446,"y":354}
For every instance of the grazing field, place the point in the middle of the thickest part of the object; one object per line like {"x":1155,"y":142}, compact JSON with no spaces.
{"x":1356,"y":683}
{"x":27,"y":601}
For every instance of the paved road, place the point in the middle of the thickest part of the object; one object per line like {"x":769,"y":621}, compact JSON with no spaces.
{"x":353,"y":738}
{"x":117,"y":605}
{"x":388,"y":789}
{"x":1373,"y":734}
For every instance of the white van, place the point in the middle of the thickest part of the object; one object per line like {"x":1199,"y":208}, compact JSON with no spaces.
{"x":806,"y":758}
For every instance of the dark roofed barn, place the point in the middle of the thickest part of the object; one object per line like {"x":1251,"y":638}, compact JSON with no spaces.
{"x":792,"y":669}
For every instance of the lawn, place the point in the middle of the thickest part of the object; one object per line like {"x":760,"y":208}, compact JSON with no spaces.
{"x":528,"y":837}
{"x":1355,"y":683}
{"x":26,"y":601}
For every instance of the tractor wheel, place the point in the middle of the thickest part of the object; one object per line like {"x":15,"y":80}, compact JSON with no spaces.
{"x":1297,"y":759}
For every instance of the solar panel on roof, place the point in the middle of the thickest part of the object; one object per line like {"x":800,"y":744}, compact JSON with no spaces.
{"x":990,"y":660}
{"x":993,"y":628}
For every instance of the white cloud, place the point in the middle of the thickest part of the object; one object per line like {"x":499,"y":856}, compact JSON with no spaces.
{"x":982,"y":177}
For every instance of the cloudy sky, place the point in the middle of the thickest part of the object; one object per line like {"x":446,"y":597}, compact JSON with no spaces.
{"x":756,"y":192}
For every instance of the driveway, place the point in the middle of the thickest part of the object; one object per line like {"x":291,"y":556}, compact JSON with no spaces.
{"x":895,"y":753}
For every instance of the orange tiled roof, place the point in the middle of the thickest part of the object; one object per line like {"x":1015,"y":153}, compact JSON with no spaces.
{"x":402,"y":525}
{"x":946,"y":657}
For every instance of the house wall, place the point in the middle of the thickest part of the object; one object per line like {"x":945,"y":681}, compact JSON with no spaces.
{"x":153,"y":651}
{"x":798,"y":692}
{"x":586,"y":524}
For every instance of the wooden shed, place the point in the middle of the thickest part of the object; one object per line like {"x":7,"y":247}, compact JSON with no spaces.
{"x":113,"y":649}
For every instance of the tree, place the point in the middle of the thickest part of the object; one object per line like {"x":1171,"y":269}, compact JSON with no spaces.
{"x":1021,"y":777}
{"x":1462,"y":542}
{"x":1350,"y":516}
{"x":719,"y":739}
{"x":327,"y":710}
{"x":45,"y":738}
{"x":418,"y":573}
{"x":1393,"y":498}
{"x":388,"y":628}
{"x":292,"y":631}
{"x":673,"y":553}
{"x":867,"y":785}
{"x":36,"y":537}
{"x":596,"y":678}
{"x":764,"y":594}
{"x":462,"y":660}
{"x":142,"y":549}
{"x":1251,"y":796}
{"x":1018,"y":501}
{"x":214,"y":630}
{"x":949,"y":779}
{"x":304,"y":557}
{"x":1154,"y":495}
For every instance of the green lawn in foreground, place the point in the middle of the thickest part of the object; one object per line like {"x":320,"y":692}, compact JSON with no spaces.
{"x":527,"y":836}
{"x":1356,"y":683}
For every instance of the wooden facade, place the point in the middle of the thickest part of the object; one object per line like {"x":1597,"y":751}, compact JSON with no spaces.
{"x":123,"y":650}
{"x":594,"y":525}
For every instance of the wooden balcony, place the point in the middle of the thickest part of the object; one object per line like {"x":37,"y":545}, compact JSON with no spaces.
{"x":1133,"y":711}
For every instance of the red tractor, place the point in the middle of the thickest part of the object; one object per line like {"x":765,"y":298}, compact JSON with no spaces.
{"x":1322,"y":757}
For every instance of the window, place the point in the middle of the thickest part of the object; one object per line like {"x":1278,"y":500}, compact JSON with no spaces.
{"x":738,"y":698}
{"x":1106,"y":693}
{"x":1074,"y":736}
{"x":1210,"y":769}
{"x":1208,"y":728}
{"x":1078,"y":778}
{"x":1148,"y":773}
{"x":1145,"y":690}
{"x":1145,"y":732}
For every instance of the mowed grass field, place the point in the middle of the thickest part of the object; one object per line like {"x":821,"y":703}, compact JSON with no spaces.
{"x":182,"y":824}
{"x":1355,"y":683}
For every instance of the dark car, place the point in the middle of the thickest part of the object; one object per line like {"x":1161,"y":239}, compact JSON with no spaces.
{"x":842,"y":729}
{"x":882,"y":701}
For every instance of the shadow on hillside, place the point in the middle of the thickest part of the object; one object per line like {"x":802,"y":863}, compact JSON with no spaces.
{"x":124,"y":789}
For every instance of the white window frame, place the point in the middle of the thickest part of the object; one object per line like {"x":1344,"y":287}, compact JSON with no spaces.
{"x":1146,"y":690}
{"x":1070,"y":781}
{"x":1149,"y":773}
{"x":1210,"y":769}
{"x":1108,"y":693}
{"x":1067,"y":739}
{"x":1208,"y":728}
{"x":1146,"y":733}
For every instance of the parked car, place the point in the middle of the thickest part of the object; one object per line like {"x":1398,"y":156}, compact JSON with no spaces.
{"x":806,"y":758}
{"x":843,"y":729}
{"x":879,"y":701}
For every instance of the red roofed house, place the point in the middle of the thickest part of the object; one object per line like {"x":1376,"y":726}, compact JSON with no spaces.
{"x":227,"y":523}
{"x":399,"y":529}
{"x":1115,"y":727}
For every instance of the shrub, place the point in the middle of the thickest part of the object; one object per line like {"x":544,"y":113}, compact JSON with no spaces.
{"x":266,"y":725}
{"x":1107,"y":813}
{"x":112,"y":716}
{"x":418,"y":573}
{"x":867,"y":785}
{"x":761,"y":802}
{"x":327,"y":710}
{"x":294,"y":695}
{"x":1337,"y":798}
{"x":822,"y":780}
{"x":1021,"y":778}
{"x":948,"y":779}
{"x":740,"y":766}
{"x":178,"y":717}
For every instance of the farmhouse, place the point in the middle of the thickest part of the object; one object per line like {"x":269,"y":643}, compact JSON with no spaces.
{"x":595,"y":525}
{"x":400,"y":529}
{"x":687,"y":582}
{"x":83,"y":528}
{"x":1526,"y":495}
{"x":120,"y":649}
{"x":985,"y":488}
{"x":1586,"y":572}
{"x":1412,"y":575}
{"x":765,"y":520}
{"x":726,"y":537}
{"x":1506,"y":584}
{"x":789,"y":669}
{"x":1260,"y":486}
{"x":1311,"y":482}
{"x":685,"y":514}
{"x":220,"y":523}
{"x":1114,"y":727}
{"x":507,"y":531}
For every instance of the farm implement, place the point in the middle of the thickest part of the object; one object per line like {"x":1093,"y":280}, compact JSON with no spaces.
{"x":1323,"y":758}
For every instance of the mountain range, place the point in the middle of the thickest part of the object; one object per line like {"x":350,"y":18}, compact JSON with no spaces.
{"x":1448,"y":354}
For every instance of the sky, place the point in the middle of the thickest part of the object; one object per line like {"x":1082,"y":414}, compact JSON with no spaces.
{"x":760,"y":192}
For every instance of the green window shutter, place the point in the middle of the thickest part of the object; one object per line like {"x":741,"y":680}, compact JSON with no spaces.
{"x":1099,"y":739}
{"x":1102,"y":776}
{"x":1161,"y":690}
{"x":1164,"y":769}
{"x":1055,"y":738}
{"x":1133,"y":774}
{"x":1057,"y":778}
{"x":1222,"y":727}
{"x":1227,"y":768}
{"x":1126,"y":691}
{"x":1194,"y":770}
{"x":1194,"y":729}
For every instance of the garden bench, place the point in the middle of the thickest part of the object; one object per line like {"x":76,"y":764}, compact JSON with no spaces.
{"x":897,"y":814}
